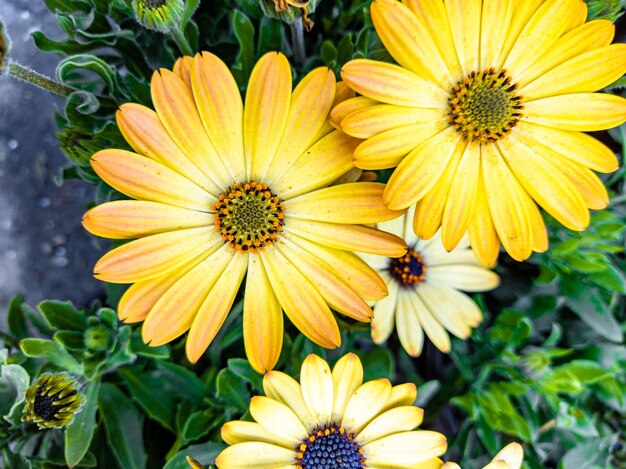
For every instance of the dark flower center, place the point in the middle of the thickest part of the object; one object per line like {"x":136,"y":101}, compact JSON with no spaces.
{"x":47,"y":406}
{"x":153,"y":4}
{"x":484,"y":107}
{"x":329,"y":447}
{"x":408,"y":270}
{"x":249,"y":216}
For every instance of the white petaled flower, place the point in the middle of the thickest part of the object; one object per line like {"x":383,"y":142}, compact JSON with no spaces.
{"x":424,"y":286}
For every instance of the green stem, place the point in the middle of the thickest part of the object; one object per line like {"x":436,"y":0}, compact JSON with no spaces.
{"x":297,"y":41}
{"x":181,"y":41}
{"x":34,"y":78}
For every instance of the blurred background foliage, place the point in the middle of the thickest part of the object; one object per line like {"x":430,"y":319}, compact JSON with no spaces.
{"x":547,"y":367}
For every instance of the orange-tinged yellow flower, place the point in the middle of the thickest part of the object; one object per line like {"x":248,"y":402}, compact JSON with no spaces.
{"x":424,"y":284}
{"x":224,"y":190}
{"x":484,"y":115}
{"x":331,"y":419}
{"x":510,"y":457}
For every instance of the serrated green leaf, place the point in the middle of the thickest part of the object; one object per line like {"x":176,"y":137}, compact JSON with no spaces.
{"x":63,"y":315}
{"x":52,"y":352}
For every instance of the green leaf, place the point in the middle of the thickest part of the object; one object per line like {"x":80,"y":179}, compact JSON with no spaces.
{"x":124,"y":427}
{"x":52,"y":352}
{"x":79,"y":434}
{"x":199,"y":424}
{"x":270,"y":35}
{"x":190,"y":8}
{"x":328,"y":53}
{"x":232,"y":389}
{"x":63,"y":315}
{"x":139,"y":347}
{"x":244,"y":32}
{"x":594,"y":311}
{"x":13,"y":382}
{"x":67,"y":68}
{"x":377,"y":363}
{"x":71,"y":340}
{"x":15,"y":318}
{"x":611,"y":279}
{"x":242,"y":368}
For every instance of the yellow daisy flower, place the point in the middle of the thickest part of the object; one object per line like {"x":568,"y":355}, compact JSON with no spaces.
{"x":423,"y":290}
{"x":331,"y":420}
{"x":483,"y":116}
{"x":510,"y":457}
{"x":225,"y":190}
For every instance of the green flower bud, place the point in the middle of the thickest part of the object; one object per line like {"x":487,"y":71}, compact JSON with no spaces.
{"x":159,"y":15}
{"x":289,"y":11}
{"x":97,"y":338}
{"x":52,"y":401}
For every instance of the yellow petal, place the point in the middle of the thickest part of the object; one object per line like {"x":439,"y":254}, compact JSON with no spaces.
{"x":182,"y":68}
{"x":405,"y":449}
{"x":401,"y":394}
{"x":317,"y":167}
{"x":409,"y":42}
{"x":454,"y":315}
{"x":586,"y":72}
{"x":254,"y":454}
{"x":342,"y":93}
{"x":383,"y":117}
{"x":283,"y":388}
{"x":589,"y":36}
{"x":482,"y":234}
{"x":384,"y":314}
{"x":512,"y":454}
{"x":335,"y":292}
{"x":433,"y":16}
{"x":123,"y":219}
{"x":495,"y":22}
{"x":365,"y":404}
{"x":173,"y":313}
{"x":267,"y":108}
{"x":349,"y":267}
{"x":347,"y":376}
{"x":459,"y":207}
{"x":539,"y":231}
{"x":262,"y":319}
{"x":317,"y":388}
{"x":392,"y":84}
{"x":465,"y":18}
{"x":429,"y":210}
{"x":215,"y":308}
{"x":359,"y":202}
{"x":422,"y":168}
{"x":142,"y":128}
{"x":221,"y":110}
{"x":387,"y":149}
{"x":267,"y":412}
{"x":465,"y":277}
{"x":451,"y":465}
{"x":545,"y":183}
{"x":155,"y":255}
{"x":347,"y":107}
{"x":522,"y":11}
{"x":138,"y":300}
{"x":543,"y":29}
{"x":580,"y":148}
{"x":394,"y":420}
{"x":178,"y":113}
{"x":507,"y":204}
{"x":432,"y":328}
{"x":349,"y":237}
{"x":142,"y":178}
{"x":239,"y":431}
{"x":304,"y":306}
{"x":310,"y":105}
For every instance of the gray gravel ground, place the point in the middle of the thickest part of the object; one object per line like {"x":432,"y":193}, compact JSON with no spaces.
{"x":44,"y":251}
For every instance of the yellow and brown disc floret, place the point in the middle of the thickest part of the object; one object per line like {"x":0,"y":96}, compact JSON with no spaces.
{"x":408,"y":270}
{"x":484,"y":107}
{"x":249,"y":216}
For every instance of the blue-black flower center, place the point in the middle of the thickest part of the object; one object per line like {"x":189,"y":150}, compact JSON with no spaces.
{"x":408,"y":270}
{"x":484,"y":107}
{"x":329,"y":447}
{"x":47,"y":404}
{"x":249,"y":216}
